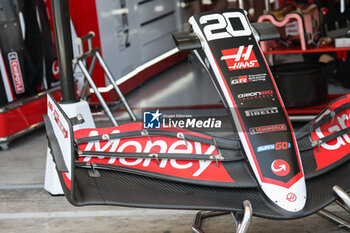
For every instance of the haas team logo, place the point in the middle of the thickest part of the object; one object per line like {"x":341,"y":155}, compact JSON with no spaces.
{"x":240,"y":58}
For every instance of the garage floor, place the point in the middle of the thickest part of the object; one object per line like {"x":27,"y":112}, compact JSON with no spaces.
{"x":26,"y":207}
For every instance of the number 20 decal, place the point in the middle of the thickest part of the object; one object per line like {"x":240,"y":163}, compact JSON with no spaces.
{"x":224,"y":23}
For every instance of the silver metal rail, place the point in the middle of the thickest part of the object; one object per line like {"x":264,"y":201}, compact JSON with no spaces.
{"x":116,"y":88}
{"x":334,"y":218}
{"x":202,"y":215}
{"x":95,"y":55}
{"x":97,"y":93}
{"x":344,"y":202}
{"x":344,"y":198}
{"x":242,"y":220}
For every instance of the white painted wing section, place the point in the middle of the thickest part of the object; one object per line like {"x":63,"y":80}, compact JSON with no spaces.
{"x":277,"y":194}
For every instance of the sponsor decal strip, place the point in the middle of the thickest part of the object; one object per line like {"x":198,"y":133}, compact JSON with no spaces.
{"x":261,"y":111}
{"x":276,"y":146}
{"x":240,"y":126}
{"x":255,"y":95}
{"x":6,"y":79}
{"x":331,"y":151}
{"x":268,"y":129}
{"x":154,"y":144}
{"x":59,"y":123}
{"x":16,"y":72}
{"x":57,"y":119}
{"x":229,"y":98}
{"x":285,"y":113}
{"x":191,"y":169}
{"x":247,"y":79}
{"x":246,"y":143}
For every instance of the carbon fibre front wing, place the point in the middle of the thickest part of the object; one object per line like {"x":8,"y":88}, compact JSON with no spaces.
{"x":214,"y":175}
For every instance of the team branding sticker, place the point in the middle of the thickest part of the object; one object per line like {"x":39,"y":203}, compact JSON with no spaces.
{"x":192,"y":169}
{"x":255,"y":95}
{"x":151,"y":120}
{"x":217,"y":26}
{"x":240,"y":58}
{"x":57,"y":120}
{"x":245,"y":57}
{"x":16,"y":72}
{"x":268,"y":129}
{"x":276,"y":146}
{"x":239,"y":80}
{"x":280,"y":167}
{"x":55,"y":70}
{"x":142,"y":145}
{"x":247,"y":79}
{"x":261,"y":111}
{"x":291,"y":197}
{"x":336,"y":149}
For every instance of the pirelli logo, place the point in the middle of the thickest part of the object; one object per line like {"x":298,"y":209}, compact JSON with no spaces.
{"x":261,"y":111}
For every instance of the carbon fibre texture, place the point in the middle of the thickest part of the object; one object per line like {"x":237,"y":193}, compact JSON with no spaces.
{"x":239,"y":171}
{"x":118,"y":188}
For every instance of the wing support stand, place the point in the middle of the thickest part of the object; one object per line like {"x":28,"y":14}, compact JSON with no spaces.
{"x":95,"y":55}
{"x":344,"y":202}
{"x":242,"y":220}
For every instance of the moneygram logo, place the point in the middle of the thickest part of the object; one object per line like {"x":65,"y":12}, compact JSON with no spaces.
{"x":240,"y":58}
{"x":255,"y":95}
{"x":261,"y":111}
{"x":267,"y":129}
{"x":247,"y":79}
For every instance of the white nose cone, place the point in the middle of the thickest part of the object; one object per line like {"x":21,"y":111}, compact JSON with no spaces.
{"x":292,"y":199}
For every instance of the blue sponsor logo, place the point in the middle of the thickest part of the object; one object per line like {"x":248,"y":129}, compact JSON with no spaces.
{"x":151,"y":120}
{"x":266,"y":148}
{"x":276,"y":146}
